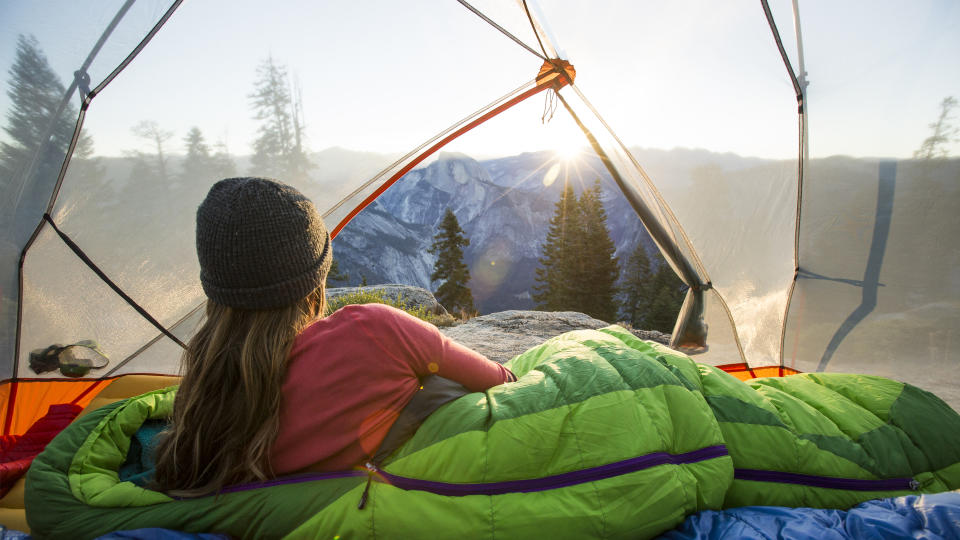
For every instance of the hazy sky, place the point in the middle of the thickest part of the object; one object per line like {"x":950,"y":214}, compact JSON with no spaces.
{"x":385,"y":76}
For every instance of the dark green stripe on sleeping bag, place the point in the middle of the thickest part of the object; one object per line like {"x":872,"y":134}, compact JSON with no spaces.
{"x":929,"y":422}
{"x":731,"y":409}
{"x":902,"y":447}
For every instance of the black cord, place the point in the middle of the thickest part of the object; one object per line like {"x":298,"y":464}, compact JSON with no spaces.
{"x":489,"y":21}
{"x":534,"y":27}
{"x":116,"y":288}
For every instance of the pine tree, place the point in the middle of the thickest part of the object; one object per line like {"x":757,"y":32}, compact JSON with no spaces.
{"x":278,"y":150}
{"x":223,"y":165}
{"x":668,"y":293}
{"x":578,"y":269}
{"x":652,"y":292}
{"x":598,"y":269}
{"x":35,"y":94}
{"x":157,"y":137}
{"x":944,"y":132}
{"x":448,"y":245}
{"x":637,"y":288}
{"x":555,"y":286}
{"x":149,"y":177}
{"x":198,"y":164}
{"x":335,"y":274}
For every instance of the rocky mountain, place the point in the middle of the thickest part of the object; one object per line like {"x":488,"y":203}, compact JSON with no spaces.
{"x":503,"y":205}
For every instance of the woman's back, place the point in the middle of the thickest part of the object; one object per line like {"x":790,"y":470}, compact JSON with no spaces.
{"x":349,"y":376}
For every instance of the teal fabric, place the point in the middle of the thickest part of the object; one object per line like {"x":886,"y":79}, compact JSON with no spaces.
{"x":140,"y":464}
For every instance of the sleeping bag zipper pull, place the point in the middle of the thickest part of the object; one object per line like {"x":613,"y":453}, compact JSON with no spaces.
{"x":371,"y":468}
{"x":920,"y":485}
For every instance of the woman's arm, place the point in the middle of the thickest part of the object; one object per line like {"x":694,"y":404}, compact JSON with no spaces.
{"x":432,"y":353}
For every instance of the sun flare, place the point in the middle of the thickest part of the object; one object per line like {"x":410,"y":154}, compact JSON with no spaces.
{"x":568,"y":149}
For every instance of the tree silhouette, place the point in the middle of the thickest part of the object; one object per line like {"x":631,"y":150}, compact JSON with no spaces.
{"x":652,"y":292}
{"x":222,"y":162}
{"x":278,"y":150}
{"x":554,"y":289}
{"x":668,"y":293}
{"x":335,"y":274}
{"x":39,"y":132}
{"x":197,"y":162}
{"x":578,"y":269}
{"x":637,"y":288}
{"x":598,"y":270}
{"x":944,"y":132}
{"x":150,"y":131}
{"x":448,"y":245}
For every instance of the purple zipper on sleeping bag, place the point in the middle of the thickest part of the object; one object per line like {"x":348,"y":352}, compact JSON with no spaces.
{"x":555,"y":481}
{"x":601,"y":472}
{"x":572,"y":478}
{"x":293,"y":479}
{"x":849,"y":484}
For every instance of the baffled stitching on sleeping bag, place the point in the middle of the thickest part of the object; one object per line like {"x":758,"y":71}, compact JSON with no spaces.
{"x":486,"y":461}
{"x":677,"y":472}
{"x":867,"y":462}
{"x":796,"y":393}
{"x":784,"y":418}
{"x":930,"y":459}
{"x":493,"y":521}
{"x":873,"y":465}
{"x":569,"y":417}
{"x":616,"y":367}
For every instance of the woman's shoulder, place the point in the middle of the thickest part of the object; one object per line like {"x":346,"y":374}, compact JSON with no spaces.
{"x":373,"y":313}
{"x":376,"y":319}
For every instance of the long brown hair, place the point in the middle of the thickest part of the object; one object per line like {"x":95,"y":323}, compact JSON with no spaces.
{"x":227,"y":411}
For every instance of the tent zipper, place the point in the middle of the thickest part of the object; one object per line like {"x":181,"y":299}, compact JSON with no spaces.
{"x":829,"y":482}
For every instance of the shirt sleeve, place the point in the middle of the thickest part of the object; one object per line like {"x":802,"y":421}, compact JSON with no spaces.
{"x":429,"y":352}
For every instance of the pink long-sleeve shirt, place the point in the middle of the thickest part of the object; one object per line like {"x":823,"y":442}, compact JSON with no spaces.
{"x":350,"y":375}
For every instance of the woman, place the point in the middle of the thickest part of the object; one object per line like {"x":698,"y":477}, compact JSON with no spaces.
{"x":271,"y":386}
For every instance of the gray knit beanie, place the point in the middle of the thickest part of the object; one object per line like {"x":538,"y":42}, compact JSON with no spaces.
{"x":261,"y":244}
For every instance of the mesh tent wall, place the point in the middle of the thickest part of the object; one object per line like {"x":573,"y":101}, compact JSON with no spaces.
{"x":818,"y":275}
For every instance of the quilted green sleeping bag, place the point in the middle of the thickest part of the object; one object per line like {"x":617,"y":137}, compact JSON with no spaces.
{"x":603,"y":435}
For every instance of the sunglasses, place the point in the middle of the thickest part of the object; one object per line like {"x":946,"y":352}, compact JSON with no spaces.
{"x":74,"y":360}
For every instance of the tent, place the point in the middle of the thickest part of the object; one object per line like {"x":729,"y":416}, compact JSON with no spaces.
{"x":839,"y":253}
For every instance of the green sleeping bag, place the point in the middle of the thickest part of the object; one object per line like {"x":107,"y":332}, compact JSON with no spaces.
{"x":603,"y":435}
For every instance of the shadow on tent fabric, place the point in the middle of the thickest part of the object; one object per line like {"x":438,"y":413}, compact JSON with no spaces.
{"x":886,"y":187}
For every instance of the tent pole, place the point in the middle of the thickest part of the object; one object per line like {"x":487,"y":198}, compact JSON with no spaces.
{"x":800,"y":90}
{"x":690,"y":330}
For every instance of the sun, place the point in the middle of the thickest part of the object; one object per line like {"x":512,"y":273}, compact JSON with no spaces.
{"x":568,"y":148}
{"x":565,"y":140}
